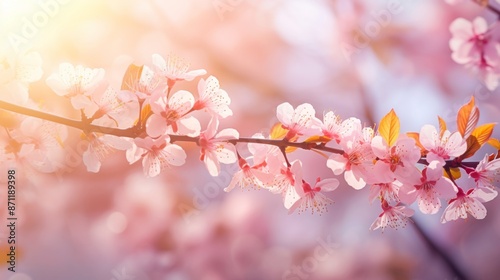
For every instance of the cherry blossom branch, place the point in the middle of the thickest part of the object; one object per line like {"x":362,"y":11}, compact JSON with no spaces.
{"x":453,"y":163}
{"x":87,"y":127}
{"x":136,"y":131}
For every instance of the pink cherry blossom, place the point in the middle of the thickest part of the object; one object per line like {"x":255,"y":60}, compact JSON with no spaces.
{"x":267,"y":157}
{"x":468,"y":39}
{"x":334,"y":128}
{"x":357,"y":159}
{"x":103,"y":102}
{"x":146,"y":89}
{"x":16,"y":73}
{"x":473,"y":46}
{"x":37,"y":144}
{"x":99,"y":147}
{"x":428,"y":190}
{"x":312,"y":197}
{"x":398,"y":160}
{"x":387,"y":191}
{"x":215,"y":147}
{"x":298,"y":121}
{"x":174,"y":69}
{"x":441,"y":148}
{"x":170,"y":116}
{"x":468,"y":203}
{"x":248,"y":175}
{"x":157,"y":154}
{"x":77,"y":80}
{"x":487,"y":173}
{"x":212,"y":98}
{"x":287,"y":182}
{"x":392,"y":216}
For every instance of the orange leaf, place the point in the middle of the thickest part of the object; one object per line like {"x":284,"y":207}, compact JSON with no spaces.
{"x":416,"y":137}
{"x":455,"y":172}
{"x":312,"y":139}
{"x":483,"y":132}
{"x":290,"y":149}
{"x":389,"y":128}
{"x":278,"y":132}
{"x":145,"y":114}
{"x":495,"y":143}
{"x":467,"y":118}
{"x":472,"y":147}
{"x":318,"y":139}
{"x":442,"y":126}
{"x":476,"y":140}
{"x":131,"y":77}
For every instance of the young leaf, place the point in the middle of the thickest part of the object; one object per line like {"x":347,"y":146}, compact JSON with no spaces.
{"x":495,"y":143}
{"x":131,"y":77}
{"x":318,"y":139}
{"x":389,"y":128}
{"x":483,"y":132}
{"x":476,"y":140}
{"x":278,"y":132}
{"x":145,"y":114}
{"x":442,"y":126}
{"x":467,"y":118}
{"x":416,"y":136}
{"x":455,"y":172}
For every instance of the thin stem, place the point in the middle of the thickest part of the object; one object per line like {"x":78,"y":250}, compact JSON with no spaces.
{"x":137,"y":131}
{"x":457,"y":272}
{"x":68,"y":122}
{"x":134,"y":132}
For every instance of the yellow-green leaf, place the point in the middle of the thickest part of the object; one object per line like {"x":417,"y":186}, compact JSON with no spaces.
{"x":389,"y":128}
{"x":131,"y":77}
{"x":467,"y":118}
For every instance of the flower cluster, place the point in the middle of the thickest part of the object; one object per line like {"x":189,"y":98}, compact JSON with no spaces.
{"x":473,"y":45}
{"x":147,"y":119}
{"x":387,"y":161}
{"x":147,"y":91}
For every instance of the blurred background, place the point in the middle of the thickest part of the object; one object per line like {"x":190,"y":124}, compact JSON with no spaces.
{"x":358,"y":58}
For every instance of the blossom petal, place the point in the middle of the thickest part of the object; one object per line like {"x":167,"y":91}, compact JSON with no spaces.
{"x":212,"y":164}
{"x":284,"y":113}
{"x":328,"y":185}
{"x":337,"y":163}
{"x":156,"y":126}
